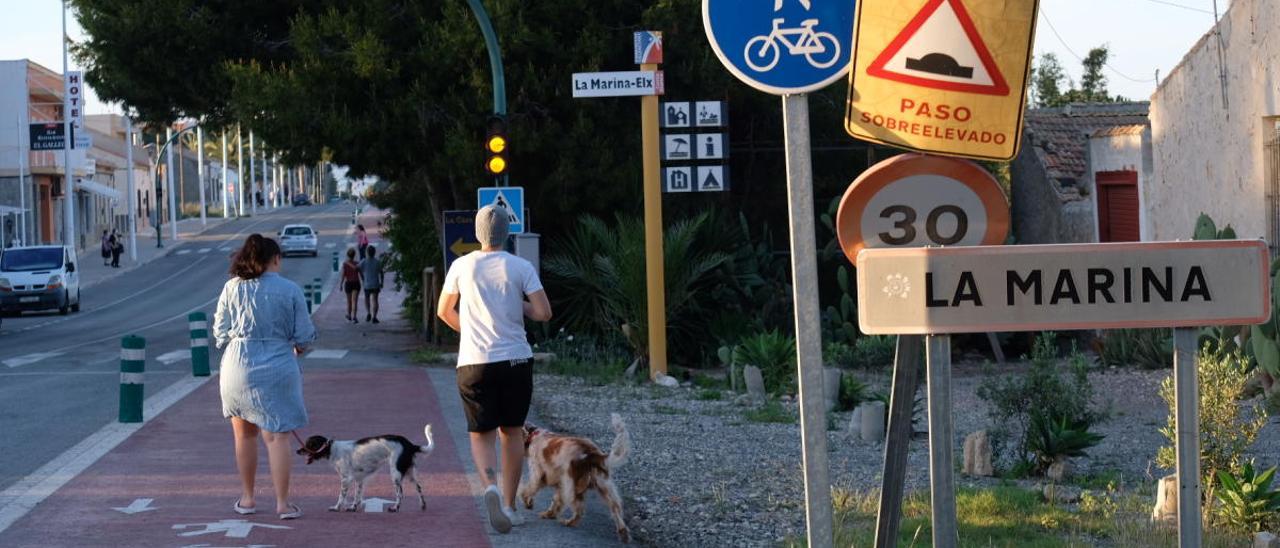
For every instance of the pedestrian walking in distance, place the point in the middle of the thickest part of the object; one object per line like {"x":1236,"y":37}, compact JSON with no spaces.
{"x":362,"y":239}
{"x":371,"y":275}
{"x":117,"y":249}
{"x":351,"y":285}
{"x":484,"y":300}
{"x":106,"y":248}
{"x":263,"y":325}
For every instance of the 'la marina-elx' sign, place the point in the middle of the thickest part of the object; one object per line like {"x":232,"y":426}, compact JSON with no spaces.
{"x":918,"y":291}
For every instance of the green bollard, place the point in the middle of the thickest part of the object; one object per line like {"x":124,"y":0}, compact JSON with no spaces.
{"x":319,"y":290}
{"x":133,"y":360}
{"x":307,"y":294}
{"x":199,"y":324}
{"x":335,"y":261}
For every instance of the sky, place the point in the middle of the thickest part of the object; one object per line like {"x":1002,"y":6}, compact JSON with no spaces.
{"x":1143,"y":35}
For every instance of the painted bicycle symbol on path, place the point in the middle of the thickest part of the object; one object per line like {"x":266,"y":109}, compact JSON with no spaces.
{"x":821,"y":49}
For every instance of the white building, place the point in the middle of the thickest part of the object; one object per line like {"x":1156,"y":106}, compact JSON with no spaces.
{"x":31,"y":181}
{"x":1215,"y":130}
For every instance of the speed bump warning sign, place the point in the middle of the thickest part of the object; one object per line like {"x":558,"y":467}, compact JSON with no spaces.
{"x":942,"y":76}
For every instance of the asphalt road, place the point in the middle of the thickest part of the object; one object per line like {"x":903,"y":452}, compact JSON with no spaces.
{"x":59,"y":375}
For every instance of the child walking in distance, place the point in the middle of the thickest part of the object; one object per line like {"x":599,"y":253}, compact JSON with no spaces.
{"x":351,"y":285}
{"x":263,"y":325}
{"x":371,"y":277}
{"x":484,"y":299}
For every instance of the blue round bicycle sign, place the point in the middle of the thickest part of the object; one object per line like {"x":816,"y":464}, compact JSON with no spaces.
{"x":781,"y":46}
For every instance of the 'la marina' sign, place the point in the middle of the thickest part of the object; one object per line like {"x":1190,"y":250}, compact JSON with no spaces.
{"x":1076,"y":286}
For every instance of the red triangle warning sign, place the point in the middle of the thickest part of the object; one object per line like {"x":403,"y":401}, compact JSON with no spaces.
{"x":940,"y":48}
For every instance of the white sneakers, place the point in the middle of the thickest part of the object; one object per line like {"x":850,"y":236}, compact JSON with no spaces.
{"x":513,"y":516}
{"x":498,"y":516}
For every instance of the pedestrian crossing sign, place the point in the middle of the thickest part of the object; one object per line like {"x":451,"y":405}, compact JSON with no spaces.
{"x":509,"y":197}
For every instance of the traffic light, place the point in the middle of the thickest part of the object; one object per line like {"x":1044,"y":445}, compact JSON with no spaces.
{"x":495,"y":146}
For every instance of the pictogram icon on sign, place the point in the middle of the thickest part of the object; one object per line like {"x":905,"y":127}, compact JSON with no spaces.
{"x":941,"y":48}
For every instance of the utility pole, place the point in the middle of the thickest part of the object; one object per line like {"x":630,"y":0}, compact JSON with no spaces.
{"x":133,"y":194}
{"x":68,"y":182}
{"x":239,"y":173}
{"x":253,"y":177}
{"x":168,"y":177}
{"x":226,"y":204}
{"x":200,"y":172}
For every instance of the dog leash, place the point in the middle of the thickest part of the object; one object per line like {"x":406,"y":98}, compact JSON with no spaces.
{"x":304,"y":447}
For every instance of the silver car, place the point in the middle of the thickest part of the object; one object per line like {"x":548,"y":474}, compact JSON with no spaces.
{"x":298,"y":239}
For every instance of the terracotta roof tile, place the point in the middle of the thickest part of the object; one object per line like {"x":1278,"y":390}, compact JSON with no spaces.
{"x":1058,"y":135}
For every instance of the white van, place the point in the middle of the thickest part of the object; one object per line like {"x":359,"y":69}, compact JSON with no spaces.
{"x":39,"y":277}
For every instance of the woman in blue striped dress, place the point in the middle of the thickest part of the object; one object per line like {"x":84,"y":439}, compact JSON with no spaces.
{"x":262,"y":322}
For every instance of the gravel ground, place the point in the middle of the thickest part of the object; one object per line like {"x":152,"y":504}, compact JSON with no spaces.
{"x":701,"y":474}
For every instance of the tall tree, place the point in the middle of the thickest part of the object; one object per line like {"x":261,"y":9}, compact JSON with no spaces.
{"x":1093,"y":83}
{"x":1047,"y":80}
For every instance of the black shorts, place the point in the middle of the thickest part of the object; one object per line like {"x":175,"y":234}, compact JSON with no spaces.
{"x":496,"y":394}
{"x":372,"y":290}
{"x":352,"y":287}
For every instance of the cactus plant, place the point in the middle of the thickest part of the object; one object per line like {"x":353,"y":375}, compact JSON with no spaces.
{"x":1260,"y":344}
{"x":842,"y":321}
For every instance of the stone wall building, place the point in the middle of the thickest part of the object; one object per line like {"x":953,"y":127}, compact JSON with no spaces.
{"x":1065,"y":151}
{"x":1215,"y":126}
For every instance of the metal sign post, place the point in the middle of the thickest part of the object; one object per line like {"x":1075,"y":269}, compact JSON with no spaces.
{"x":906,"y":376}
{"x":790,"y":49}
{"x":942,"y":485}
{"x":1187,"y":422}
{"x":804,"y":283}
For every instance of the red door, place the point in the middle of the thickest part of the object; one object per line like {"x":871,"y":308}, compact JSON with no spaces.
{"x":1117,"y":206}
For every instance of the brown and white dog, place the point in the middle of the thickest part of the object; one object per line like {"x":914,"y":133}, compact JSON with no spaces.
{"x":573,"y":465}
{"x":356,"y":460}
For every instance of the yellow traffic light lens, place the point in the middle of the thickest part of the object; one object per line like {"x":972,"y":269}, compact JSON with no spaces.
{"x":497,"y":144}
{"x":496,"y":165}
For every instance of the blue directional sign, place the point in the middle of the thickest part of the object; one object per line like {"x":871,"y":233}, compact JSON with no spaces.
{"x":510,"y":197}
{"x":781,"y":46}
{"x":459,"y":235}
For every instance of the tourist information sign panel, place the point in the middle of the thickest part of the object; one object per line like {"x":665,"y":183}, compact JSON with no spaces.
{"x":1062,"y":287}
{"x":942,"y":76}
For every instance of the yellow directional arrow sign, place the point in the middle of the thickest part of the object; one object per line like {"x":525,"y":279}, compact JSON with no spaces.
{"x":461,"y":247}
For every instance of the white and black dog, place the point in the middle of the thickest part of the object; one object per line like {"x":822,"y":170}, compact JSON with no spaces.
{"x":356,"y":460}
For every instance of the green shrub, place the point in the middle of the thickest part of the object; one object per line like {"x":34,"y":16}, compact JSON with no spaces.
{"x":838,"y":354}
{"x":1248,"y":501}
{"x":875,"y":350}
{"x":775,"y":354}
{"x":770,"y":412}
{"x":1047,"y":391}
{"x":1226,"y":430}
{"x":1050,"y":440}
{"x":1145,"y":348}
{"x":852,"y":393}
{"x":709,"y":395}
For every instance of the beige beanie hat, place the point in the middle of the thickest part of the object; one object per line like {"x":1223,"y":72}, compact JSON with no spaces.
{"x":492,"y":226}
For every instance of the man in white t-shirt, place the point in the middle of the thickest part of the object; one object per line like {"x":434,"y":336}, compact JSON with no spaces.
{"x":484,"y":300}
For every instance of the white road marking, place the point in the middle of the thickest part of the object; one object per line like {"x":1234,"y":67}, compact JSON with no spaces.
{"x":224,"y":249}
{"x":330,"y":245}
{"x":21,"y":497}
{"x":234,"y":528}
{"x":327,"y":354}
{"x":374,"y":505}
{"x":206,"y":249}
{"x":138,"y":506}
{"x":174,"y":356}
{"x":183,"y":251}
{"x":30,"y":359}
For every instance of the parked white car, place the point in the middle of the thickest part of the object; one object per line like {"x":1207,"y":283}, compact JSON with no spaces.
{"x":40,"y":277}
{"x":298,"y":239}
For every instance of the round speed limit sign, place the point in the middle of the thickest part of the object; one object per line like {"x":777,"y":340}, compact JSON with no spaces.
{"x":914,"y":200}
